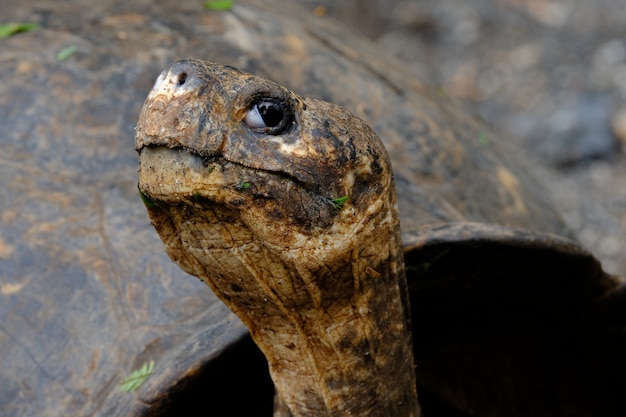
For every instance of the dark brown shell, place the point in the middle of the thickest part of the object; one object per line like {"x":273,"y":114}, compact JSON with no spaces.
{"x":88,"y":295}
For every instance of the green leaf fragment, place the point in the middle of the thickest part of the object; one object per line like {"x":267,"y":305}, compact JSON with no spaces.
{"x":482,"y":137}
{"x":8,"y":29}
{"x":218,"y":4}
{"x":242,"y":186}
{"x":339,"y":202}
{"x":137,"y":377}
{"x":66,"y":52}
{"x":147,"y":201}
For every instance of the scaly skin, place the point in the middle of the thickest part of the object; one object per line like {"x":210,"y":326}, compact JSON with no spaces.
{"x":321,"y":287}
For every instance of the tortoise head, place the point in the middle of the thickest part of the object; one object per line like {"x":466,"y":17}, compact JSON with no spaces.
{"x":286,"y":208}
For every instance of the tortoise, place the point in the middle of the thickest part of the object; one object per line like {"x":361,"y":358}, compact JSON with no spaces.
{"x":89,"y":295}
{"x":286,"y":207}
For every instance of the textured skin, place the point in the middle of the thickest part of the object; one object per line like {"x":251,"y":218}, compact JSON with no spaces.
{"x":321,"y":288}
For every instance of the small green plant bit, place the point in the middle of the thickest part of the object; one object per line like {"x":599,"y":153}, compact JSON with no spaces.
{"x":137,"y":377}
{"x":482,"y":138}
{"x":339,"y":202}
{"x":8,"y":29}
{"x":242,"y":186}
{"x":147,"y":201}
{"x":218,"y":4}
{"x":65,"y":53}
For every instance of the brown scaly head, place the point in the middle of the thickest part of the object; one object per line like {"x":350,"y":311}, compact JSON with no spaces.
{"x":286,"y":208}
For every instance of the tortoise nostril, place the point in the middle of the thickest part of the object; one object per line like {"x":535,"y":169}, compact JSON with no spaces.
{"x":182,"y":77}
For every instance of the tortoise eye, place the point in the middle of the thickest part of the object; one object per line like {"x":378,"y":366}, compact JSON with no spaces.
{"x":268,"y":115}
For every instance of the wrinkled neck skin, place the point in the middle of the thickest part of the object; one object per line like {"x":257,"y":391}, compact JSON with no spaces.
{"x":347,"y":351}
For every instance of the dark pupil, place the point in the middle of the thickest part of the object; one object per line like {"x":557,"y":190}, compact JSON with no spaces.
{"x":271,"y":112}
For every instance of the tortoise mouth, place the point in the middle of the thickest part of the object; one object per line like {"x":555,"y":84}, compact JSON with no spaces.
{"x":175,"y":174}
{"x":173,"y":177}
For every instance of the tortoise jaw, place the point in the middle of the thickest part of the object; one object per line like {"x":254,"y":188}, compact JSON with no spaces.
{"x":171,"y":176}
{"x":178,"y":172}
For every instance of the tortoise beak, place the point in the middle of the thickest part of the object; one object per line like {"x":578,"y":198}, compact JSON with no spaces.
{"x":185,"y":109}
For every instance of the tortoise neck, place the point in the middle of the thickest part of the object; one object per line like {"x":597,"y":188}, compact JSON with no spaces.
{"x":350,"y":357}
{"x":336,"y":333}
{"x":330,"y":313}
